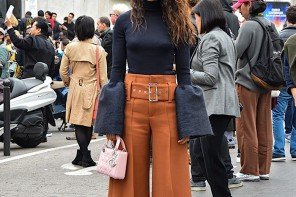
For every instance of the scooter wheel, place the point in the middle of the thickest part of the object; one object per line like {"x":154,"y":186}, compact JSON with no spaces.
{"x":28,"y":140}
{"x":31,"y":131}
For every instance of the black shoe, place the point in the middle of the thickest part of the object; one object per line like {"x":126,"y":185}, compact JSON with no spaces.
{"x":277,"y":157}
{"x":78,"y":158}
{"x":198,"y":186}
{"x":87,"y":161}
{"x":234,"y":182}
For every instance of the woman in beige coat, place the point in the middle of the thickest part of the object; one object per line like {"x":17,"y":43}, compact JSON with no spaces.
{"x":78,"y":71}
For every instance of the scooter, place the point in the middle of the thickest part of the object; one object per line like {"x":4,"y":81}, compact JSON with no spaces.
{"x":30,"y":108}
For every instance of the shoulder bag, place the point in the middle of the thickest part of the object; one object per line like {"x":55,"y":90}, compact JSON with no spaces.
{"x":98,"y":84}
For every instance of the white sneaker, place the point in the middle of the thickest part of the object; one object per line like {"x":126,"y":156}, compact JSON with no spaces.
{"x":48,"y":134}
{"x":288,"y":137}
{"x":264,"y":177}
{"x":247,"y":177}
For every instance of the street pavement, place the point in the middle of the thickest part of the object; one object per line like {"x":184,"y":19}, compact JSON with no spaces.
{"x":47,"y":171}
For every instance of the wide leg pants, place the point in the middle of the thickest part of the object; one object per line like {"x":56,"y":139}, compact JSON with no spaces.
{"x":254,"y":132}
{"x":155,"y":121}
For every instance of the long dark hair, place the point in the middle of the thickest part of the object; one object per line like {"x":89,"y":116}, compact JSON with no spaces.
{"x":176,"y":14}
{"x":212,"y":19}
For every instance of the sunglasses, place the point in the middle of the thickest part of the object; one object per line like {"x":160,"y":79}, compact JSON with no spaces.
{"x":113,"y":15}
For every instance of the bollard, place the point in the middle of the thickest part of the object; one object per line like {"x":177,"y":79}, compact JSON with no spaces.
{"x":6,"y":101}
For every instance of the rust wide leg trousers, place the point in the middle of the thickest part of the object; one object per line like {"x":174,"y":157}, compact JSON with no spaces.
{"x":254,"y":132}
{"x":152,"y":116}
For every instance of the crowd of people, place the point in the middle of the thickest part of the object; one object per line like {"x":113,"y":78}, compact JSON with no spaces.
{"x":192,"y":84}
{"x":59,"y":34}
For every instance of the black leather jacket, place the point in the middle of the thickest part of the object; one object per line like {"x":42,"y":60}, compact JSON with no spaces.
{"x":36,"y":49}
{"x":106,"y":37}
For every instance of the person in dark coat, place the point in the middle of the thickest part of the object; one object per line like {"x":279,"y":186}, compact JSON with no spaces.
{"x":36,"y":46}
{"x":25,"y":23}
{"x":1,"y":20}
{"x":106,"y":35}
{"x":284,"y":112}
{"x":69,"y":26}
{"x":231,"y":19}
{"x":56,"y":29}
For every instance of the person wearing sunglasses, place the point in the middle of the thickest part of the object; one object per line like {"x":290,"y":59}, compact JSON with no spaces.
{"x":117,"y":10}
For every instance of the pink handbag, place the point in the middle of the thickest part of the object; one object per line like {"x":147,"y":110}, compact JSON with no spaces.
{"x":112,"y":162}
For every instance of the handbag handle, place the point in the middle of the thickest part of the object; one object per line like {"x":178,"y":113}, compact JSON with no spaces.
{"x":118,"y":141}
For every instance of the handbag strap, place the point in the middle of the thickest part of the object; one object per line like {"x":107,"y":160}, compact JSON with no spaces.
{"x":118,"y":141}
{"x":97,"y":69}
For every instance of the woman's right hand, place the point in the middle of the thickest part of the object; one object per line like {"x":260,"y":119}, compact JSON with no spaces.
{"x":111,"y":137}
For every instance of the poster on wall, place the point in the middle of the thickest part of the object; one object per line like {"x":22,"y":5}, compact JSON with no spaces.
{"x":31,"y":5}
{"x":276,"y":12}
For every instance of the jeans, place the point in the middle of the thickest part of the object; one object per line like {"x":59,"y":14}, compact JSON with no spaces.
{"x":289,"y":116}
{"x":278,"y":115}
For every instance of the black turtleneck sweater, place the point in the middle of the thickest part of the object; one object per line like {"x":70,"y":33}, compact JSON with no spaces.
{"x":149,"y":51}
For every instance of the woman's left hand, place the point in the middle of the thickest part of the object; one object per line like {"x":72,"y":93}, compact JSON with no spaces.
{"x":184,"y":140}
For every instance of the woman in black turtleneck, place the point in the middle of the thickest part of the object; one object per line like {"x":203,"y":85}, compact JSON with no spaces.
{"x":141,"y":106}
{"x":149,"y":51}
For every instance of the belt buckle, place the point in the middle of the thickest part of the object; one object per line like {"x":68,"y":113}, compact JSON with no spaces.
{"x":150,"y":87}
{"x":80,"y":82}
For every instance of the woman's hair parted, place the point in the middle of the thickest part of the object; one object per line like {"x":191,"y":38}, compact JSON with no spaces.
{"x":176,"y":14}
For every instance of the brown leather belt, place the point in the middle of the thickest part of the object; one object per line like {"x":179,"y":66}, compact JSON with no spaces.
{"x":151,"y":91}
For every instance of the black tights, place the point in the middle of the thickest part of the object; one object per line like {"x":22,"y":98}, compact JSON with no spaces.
{"x":83,"y":136}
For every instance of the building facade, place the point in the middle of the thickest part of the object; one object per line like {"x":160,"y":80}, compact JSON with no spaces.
{"x":93,"y":8}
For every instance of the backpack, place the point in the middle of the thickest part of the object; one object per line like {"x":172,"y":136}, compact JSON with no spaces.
{"x":268,"y":69}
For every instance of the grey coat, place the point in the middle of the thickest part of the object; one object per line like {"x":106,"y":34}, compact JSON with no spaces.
{"x":213,"y":69}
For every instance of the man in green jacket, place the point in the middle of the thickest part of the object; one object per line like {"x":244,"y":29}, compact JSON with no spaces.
{"x":290,"y":78}
{"x":290,"y":51}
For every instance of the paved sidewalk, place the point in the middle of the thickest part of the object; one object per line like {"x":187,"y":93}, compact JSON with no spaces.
{"x":46,"y":171}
